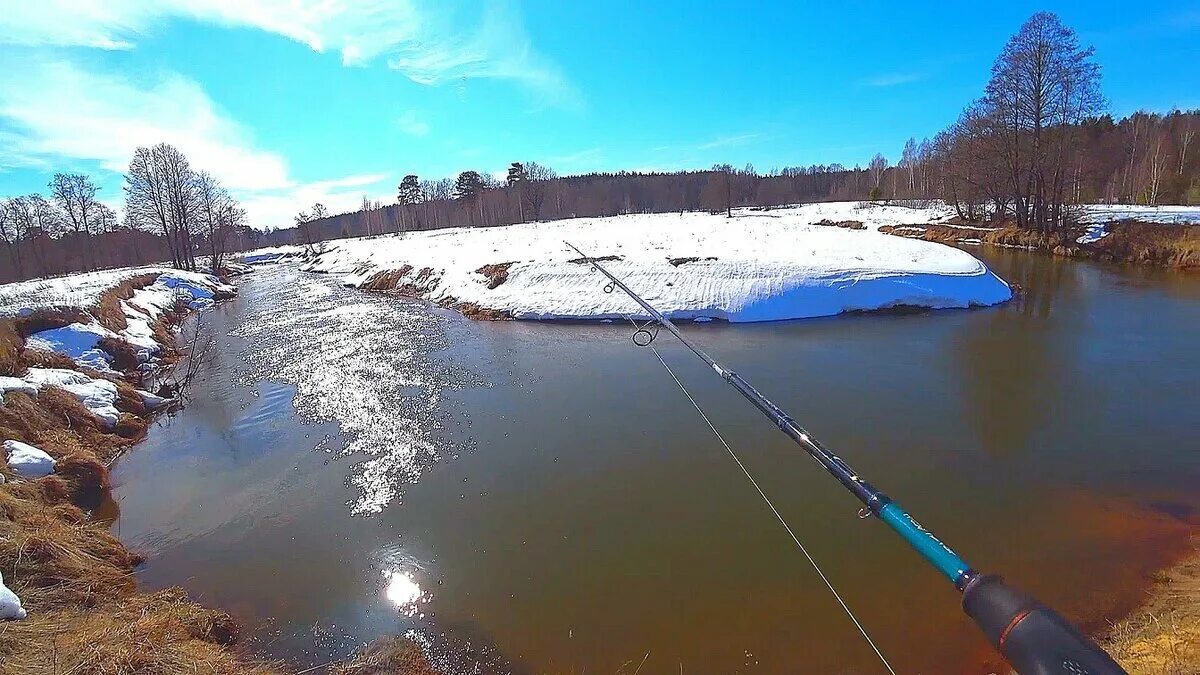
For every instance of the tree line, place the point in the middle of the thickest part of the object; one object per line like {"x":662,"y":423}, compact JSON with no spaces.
{"x":1036,"y":144}
{"x":172,"y":213}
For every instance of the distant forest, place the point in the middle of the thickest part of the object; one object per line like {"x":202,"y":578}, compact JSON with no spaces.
{"x":1145,"y":158}
{"x":1034,"y":145}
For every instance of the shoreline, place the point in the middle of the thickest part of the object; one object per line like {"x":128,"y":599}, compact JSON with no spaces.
{"x":1128,"y":242}
{"x":209,"y":636}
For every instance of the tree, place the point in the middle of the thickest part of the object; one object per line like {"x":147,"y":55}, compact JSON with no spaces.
{"x":517,"y":178}
{"x":409,"y":194}
{"x":718,"y":190}
{"x":13,"y":228}
{"x":161,"y":196}
{"x":908,"y":161}
{"x":537,"y":180}
{"x":1043,"y":85}
{"x":75,"y":194}
{"x":219,"y":216}
{"x":877,"y":166}
{"x":469,"y":188}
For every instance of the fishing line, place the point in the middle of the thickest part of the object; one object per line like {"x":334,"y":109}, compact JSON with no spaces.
{"x":774,"y":510}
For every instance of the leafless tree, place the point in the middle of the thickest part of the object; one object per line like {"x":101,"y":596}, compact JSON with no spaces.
{"x":75,"y":194}
{"x":161,"y":195}
{"x":1043,"y":84}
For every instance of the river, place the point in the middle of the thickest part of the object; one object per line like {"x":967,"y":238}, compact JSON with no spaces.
{"x":540,"y":498}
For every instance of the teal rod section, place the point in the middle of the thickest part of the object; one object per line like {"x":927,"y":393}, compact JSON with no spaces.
{"x":937,"y":553}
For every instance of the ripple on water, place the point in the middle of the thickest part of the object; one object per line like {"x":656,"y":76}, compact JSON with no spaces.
{"x":369,"y":363}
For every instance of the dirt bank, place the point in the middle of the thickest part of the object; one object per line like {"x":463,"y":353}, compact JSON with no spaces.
{"x":75,"y":580}
{"x":1162,"y":637}
{"x":1128,"y":241}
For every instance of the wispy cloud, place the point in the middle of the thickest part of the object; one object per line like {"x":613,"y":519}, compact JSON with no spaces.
{"x":728,"y":141}
{"x":411,"y":124}
{"x":55,"y":113}
{"x":893,"y":79}
{"x":54,"y":110}
{"x":583,"y":160}
{"x":422,"y":40}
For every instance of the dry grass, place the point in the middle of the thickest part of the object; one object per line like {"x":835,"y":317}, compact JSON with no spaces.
{"x":1174,"y":246}
{"x":1151,"y":243}
{"x":153,"y":633}
{"x":388,"y":656}
{"x":74,"y":578}
{"x":496,"y":273}
{"x":1163,"y":636}
{"x":108,"y":310}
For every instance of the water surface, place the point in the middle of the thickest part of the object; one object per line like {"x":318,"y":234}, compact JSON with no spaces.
{"x":540,"y":498}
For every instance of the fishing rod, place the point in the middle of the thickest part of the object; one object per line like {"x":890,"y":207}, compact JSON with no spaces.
{"x":1034,"y":639}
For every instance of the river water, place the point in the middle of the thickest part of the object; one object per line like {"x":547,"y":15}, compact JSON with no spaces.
{"x":540,"y":498}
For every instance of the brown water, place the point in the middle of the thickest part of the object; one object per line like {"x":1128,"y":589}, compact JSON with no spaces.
{"x":540,"y":498}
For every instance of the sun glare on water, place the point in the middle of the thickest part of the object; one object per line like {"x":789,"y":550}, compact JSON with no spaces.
{"x":402,"y":591}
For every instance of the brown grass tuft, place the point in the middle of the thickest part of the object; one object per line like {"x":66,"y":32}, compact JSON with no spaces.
{"x":1163,"y":636}
{"x":161,"y":632}
{"x":108,"y":310}
{"x":388,"y":656}
{"x":1151,"y":243}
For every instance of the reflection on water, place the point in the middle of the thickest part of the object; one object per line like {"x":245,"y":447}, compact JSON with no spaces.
{"x":1013,"y":361}
{"x":538,"y":498}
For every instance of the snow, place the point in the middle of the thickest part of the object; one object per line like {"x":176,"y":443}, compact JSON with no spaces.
{"x":8,"y":384}
{"x":1107,"y":213}
{"x":80,"y":341}
{"x":10,"y":604}
{"x":28,"y":461}
{"x":83,"y":290}
{"x":272,"y":254}
{"x":97,"y":395}
{"x":769,"y":265}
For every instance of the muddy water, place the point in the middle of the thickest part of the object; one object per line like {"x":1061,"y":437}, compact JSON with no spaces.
{"x":539,"y":498}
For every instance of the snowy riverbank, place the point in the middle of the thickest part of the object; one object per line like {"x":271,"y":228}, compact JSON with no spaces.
{"x":757,"y":266}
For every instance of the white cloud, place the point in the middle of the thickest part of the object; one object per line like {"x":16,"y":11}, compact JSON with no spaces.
{"x":55,"y":110}
{"x":428,"y":43}
{"x":412,"y":125}
{"x":276,"y":208}
{"x":893,"y":79}
{"x":55,"y":113}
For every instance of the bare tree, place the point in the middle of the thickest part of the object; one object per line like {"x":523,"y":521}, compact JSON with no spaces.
{"x":219,"y":215}
{"x":1042,"y":85}
{"x":161,"y":195}
{"x":537,"y":180}
{"x":878,"y":165}
{"x":75,"y":194}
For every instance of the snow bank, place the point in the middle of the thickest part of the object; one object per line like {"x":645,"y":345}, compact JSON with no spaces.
{"x":272,"y":254}
{"x":83,"y":290}
{"x":97,"y":395}
{"x":28,"y":461}
{"x":1107,"y":213}
{"x":80,"y":341}
{"x":757,"y":266}
{"x":10,"y":604}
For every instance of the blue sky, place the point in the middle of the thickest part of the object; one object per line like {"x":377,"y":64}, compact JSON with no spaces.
{"x":295,"y":102}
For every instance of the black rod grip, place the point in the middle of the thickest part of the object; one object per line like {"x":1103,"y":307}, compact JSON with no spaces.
{"x":1035,"y":639}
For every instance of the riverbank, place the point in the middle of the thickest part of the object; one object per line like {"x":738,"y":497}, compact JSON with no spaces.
{"x":76,"y":606}
{"x":1175,"y":246}
{"x":1162,"y":637}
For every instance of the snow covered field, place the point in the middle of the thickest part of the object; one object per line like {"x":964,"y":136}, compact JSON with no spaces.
{"x":757,"y":266}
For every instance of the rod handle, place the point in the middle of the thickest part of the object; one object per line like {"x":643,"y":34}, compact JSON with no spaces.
{"x":1034,"y":639}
